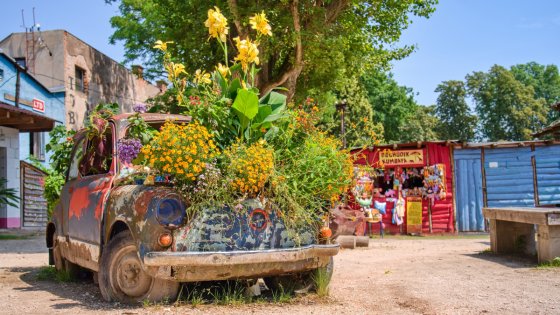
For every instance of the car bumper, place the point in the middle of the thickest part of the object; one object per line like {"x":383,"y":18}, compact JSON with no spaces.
{"x":207,"y":266}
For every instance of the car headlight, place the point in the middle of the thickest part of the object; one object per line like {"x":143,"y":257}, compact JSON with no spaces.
{"x":170,"y":212}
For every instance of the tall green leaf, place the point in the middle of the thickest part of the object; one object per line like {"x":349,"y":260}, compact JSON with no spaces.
{"x":246,"y":106}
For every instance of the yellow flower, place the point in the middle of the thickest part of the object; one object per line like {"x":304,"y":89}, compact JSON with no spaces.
{"x":201,"y":77}
{"x":223,"y":70}
{"x":248,"y":52}
{"x":217,"y":24}
{"x":161,"y":45}
{"x":260,"y":23}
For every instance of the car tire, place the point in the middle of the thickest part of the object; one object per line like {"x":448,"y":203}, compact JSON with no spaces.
{"x":59,"y":261}
{"x":299,"y":282}
{"x":121,"y":277}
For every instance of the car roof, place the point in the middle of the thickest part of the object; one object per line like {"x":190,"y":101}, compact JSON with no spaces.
{"x":154,"y":117}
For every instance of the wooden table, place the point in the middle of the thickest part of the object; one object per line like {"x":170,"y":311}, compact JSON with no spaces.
{"x":512,"y":230}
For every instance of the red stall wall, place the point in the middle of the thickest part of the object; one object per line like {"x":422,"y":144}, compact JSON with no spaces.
{"x":442,"y":210}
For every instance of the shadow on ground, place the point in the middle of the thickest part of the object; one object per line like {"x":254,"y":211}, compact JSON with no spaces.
{"x":511,"y":261}
{"x":82,"y":293}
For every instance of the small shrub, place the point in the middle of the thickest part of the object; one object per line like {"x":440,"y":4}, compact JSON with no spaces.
{"x":551,"y":264}
{"x":49,"y":273}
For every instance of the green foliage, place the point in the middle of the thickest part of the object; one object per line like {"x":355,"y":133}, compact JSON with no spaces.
{"x":393,"y":105}
{"x":507,"y":109}
{"x":139,"y":129}
{"x":422,"y":127}
{"x":346,"y":35}
{"x":359,"y":117}
{"x":545,"y":81}
{"x":456,"y":120}
{"x":60,"y":145}
{"x":8,"y":196}
{"x":310,"y":172}
{"x":53,"y":187}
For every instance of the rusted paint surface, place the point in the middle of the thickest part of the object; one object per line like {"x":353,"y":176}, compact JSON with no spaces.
{"x":346,"y":221}
{"x":249,"y":228}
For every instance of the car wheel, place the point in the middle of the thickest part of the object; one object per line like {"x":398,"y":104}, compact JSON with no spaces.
{"x":300,"y":282}
{"x":59,"y":262}
{"x":121,"y":277}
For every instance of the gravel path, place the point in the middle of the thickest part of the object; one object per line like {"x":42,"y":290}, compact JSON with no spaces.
{"x":401,"y":275}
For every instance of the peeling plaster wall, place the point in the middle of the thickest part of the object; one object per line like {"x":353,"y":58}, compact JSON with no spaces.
{"x":106,"y":80}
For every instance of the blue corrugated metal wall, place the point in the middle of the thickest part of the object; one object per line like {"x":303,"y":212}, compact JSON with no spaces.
{"x":509,"y":177}
{"x":547,"y":161}
{"x":468,"y":190}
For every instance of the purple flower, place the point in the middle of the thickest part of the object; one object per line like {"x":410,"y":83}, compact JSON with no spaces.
{"x":139,"y":108}
{"x":128,"y":149}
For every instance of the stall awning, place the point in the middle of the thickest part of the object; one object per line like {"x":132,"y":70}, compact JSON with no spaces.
{"x":24,"y":120}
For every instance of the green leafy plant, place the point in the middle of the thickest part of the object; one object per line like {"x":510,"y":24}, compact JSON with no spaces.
{"x":8,"y":196}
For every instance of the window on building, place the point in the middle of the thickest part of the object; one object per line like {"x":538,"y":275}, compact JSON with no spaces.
{"x":21,"y":62}
{"x":1,"y":75}
{"x":80,"y":76}
{"x":37,"y":145}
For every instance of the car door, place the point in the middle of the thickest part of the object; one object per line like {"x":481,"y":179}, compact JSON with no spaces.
{"x":89,"y":180}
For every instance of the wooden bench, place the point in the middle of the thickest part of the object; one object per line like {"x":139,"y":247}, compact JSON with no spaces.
{"x":512,"y":231}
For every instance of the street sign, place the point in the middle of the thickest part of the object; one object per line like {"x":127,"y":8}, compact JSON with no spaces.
{"x":38,"y":105}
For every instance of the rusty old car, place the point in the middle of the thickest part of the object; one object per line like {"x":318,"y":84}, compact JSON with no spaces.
{"x":139,"y":244}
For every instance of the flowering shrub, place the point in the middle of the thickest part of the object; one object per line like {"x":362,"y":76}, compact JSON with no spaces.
{"x":128,"y":149}
{"x":298,"y":168}
{"x":249,"y":167}
{"x":180,"y":150}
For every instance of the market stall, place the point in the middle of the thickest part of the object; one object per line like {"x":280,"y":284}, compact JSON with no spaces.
{"x":404,"y":188}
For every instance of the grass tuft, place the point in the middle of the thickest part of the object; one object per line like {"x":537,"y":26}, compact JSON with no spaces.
{"x":551,"y":264}
{"x":4,"y":237}
{"x":49,"y":273}
{"x":322,"y":278}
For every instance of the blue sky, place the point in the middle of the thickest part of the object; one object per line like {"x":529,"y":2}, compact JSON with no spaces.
{"x":461,"y":37}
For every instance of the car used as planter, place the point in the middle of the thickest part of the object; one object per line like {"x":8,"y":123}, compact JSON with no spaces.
{"x":140,"y":244}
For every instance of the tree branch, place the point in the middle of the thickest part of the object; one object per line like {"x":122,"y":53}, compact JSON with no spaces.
{"x":334,"y":9}
{"x":297,"y":65}
{"x":237,"y":18}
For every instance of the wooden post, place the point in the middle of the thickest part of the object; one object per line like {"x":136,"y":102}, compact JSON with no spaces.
{"x":429,"y":203}
{"x":484,"y":194}
{"x":453,"y":189}
{"x":535,"y":183}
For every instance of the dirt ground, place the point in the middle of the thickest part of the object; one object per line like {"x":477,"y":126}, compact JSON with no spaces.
{"x":404,"y":275}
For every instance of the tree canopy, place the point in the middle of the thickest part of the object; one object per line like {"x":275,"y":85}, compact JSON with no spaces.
{"x":456,"y":120}
{"x":507,"y":109}
{"x":322,"y":41}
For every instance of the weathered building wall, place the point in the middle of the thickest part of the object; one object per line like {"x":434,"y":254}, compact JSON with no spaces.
{"x":106,"y":81}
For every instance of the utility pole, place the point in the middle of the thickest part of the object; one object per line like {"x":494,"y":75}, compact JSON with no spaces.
{"x":18,"y":72}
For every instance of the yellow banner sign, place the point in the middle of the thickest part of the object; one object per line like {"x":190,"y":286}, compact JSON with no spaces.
{"x":413,"y":215}
{"x":402,"y":157}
